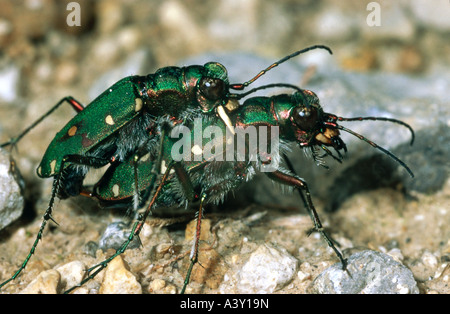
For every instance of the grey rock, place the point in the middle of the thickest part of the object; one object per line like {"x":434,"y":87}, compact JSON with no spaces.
{"x":369,"y":272}
{"x":11,"y":184}
{"x":115,"y":235}
{"x":267,"y":269}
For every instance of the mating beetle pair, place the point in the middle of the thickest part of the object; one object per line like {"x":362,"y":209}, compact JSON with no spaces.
{"x":128,"y":127}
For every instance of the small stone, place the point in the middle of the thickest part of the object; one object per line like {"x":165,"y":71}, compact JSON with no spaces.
{"x":156,"y":285}
{"x":396,"y":254}
{"x":268,"y":269}
{"x":429,"y":260}
{"x":119,"y":280}
{"x":302,"y":276}
{"x":11,"y":199}
{"x":411,"y":60}
{"x":90,"y":248}
{"x":9,"y":83}
{"x":46,"y":283}
{"x":170,"y":289}
{"x":71,"y":274}
{"x":161,"y":250}
{"x":204,"y":231}
{"x":210,"y":269}
{"x":115,"y":235}
{"x":370,"y":273}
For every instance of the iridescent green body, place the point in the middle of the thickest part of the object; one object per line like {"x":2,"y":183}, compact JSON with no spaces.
{"x":300,"y":120}
{"x":210,"y":176}
{"x":170,"y":93}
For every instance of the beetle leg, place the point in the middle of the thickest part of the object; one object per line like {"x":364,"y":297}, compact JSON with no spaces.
{"x":71,"y":181}
{"x":57,"y":183}
{"x":137,"y":227}
{"x":301,"y":185}
{"x":291,"y":168}
{"x":186,"y":183}
{"x":194,"y":251}
{"x":47,"y":216}
{"x":72,"y":101}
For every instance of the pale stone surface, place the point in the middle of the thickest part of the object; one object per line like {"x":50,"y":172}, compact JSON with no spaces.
{"x":46,"y":283}
{"x":119,"y":280}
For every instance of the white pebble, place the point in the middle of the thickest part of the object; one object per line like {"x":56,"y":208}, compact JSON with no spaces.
{"x":429,"y":259}
{"x":303,"y":276}
{"x":72,"y":273}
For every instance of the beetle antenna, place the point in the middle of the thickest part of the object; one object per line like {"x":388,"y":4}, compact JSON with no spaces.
{"x":377,"y":147}
{"x":382,"y":119}
{"x":262,"y":72}
{"x":285,"y":85}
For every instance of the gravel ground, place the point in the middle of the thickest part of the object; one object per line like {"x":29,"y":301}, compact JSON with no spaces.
{"x":399,"y":69}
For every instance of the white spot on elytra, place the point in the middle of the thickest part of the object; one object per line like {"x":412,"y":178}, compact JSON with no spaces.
{"x":109,"y":120}
{"x":138,"y":106}
{"x":163,"y":167}
{"x":52,"y":166}
{"x":196,"y":150}
{"x":115,"y":190}
{"x":145,"y":157}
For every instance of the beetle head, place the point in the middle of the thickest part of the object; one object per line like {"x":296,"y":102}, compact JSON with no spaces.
{"x":310,"y":122}
{"x":212,"y":88}
{"x":313,"y":127}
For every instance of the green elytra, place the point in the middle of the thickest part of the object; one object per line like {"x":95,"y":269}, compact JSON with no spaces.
{"x":169,"y":91}
{"x":117,"y":184}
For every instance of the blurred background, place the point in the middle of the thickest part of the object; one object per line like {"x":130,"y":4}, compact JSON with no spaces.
{"x":38,"y":47}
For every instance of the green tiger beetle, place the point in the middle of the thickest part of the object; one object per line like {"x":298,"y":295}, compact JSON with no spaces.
{"x":296,"y":118}
{"x":126,"y":117}
{"x":147,"y":174}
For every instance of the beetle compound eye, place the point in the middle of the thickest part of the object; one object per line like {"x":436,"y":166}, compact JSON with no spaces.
{"x":305,"y":118}
{"x":211,"y":88}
